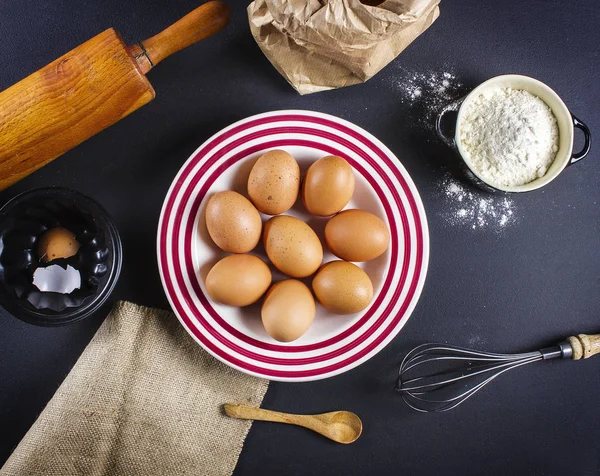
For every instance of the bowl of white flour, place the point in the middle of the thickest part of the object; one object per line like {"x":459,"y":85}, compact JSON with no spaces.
{"x":515,"y":134}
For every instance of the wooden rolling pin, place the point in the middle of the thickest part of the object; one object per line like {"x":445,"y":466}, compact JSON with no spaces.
{"x":88,"y":89}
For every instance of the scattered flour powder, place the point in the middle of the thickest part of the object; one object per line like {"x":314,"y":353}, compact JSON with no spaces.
{"x":427,"y":93}
{"x":510,"y":136}
{"x":476,"y":210}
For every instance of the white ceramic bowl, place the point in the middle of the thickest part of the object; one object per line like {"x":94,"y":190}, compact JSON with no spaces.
{"x":566,"y":123}
{"x":333,"y":344}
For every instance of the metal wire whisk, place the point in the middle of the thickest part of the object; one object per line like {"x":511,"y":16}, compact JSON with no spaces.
{"x":438,"y":377}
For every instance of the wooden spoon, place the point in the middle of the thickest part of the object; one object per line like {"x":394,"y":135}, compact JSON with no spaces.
{"x":343,"y":427}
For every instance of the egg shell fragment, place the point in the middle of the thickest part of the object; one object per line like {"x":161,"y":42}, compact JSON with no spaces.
{"x":288,"y":310}
{"x":57,"y":243}
{"x":292,"y":246}
{"x":238,"y":280}
{"x":233,"y":223}
{"x":342,"y":287}
{"x":328,"y":186}
{"x":356,"y":235}
{"x":274,"y":182}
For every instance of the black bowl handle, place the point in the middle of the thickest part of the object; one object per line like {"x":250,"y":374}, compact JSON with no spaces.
{"x":452,"y":107}
{"x":587,"y":137}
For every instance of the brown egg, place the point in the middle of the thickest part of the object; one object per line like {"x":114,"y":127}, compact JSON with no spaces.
{"x":233,"y":223}
{"x":288,"y":310}
{"x":356,"y":235}
{"x":274,"y":182}
{"x":292,"y":246}
{"x":342,"y":287}
{"x":57,"y":243}
{"x":328,"y":186}
{"x":238,"y":280}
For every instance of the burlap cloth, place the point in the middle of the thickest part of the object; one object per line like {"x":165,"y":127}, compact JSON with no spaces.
{"x":143,"y":399}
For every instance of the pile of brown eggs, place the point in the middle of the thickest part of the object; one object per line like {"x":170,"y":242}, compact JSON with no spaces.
{"x":292,"y":246}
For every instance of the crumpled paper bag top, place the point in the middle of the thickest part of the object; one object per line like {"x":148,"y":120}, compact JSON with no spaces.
{"x":325,"y":44}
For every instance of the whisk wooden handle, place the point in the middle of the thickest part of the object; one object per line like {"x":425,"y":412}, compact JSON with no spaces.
{"x":584,"y":346}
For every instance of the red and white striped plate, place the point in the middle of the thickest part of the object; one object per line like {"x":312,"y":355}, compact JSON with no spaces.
{"x":334,"y":344}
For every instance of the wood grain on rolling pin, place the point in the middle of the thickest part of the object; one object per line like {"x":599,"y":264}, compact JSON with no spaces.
{"x":66,"y":102}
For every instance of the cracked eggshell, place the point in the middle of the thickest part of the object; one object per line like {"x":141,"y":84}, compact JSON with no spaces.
{"x":56,"y":279}
{"x":57,"y":243}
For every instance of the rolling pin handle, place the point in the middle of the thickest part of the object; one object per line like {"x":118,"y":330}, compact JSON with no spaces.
{"x":141,"y":57}
{"x":204,"y":21}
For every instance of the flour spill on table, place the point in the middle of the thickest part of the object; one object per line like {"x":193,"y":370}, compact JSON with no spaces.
{"x":429,"y":91}
{"x":426,"y":93}
{"x":476,"y":210}
{"x":476,"y":341}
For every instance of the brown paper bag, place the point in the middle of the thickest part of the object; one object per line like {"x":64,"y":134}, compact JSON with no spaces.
{"x":325,"y":44}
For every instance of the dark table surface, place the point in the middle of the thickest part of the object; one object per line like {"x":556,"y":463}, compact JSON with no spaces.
{"x":511,"y":288}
